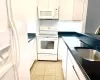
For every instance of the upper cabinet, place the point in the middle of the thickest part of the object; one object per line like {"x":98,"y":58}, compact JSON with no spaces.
{"x":61,"y":9}
{"x":71,"y":9}
{"x":66,"y":9}
{"x":45,"y":4}
{"x":78,"y":9}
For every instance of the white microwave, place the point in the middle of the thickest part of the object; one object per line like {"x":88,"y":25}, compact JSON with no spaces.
{"x":48,"y":13}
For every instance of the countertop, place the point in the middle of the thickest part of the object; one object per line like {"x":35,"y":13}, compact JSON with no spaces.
{"x":31,"y":36}
{"x":94,"y":35}
{"x":91,"y":41}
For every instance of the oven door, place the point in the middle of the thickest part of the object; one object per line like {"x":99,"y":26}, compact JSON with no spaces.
{"x":47,"y":45}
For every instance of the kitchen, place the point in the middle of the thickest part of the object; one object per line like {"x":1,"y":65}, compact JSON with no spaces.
{"x":44,"y":39}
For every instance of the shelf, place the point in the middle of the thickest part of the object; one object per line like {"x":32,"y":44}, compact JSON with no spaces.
{"x":4,"y":68}
{"x":4,"y":46}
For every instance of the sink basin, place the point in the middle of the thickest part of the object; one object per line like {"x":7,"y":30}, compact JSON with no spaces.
{"x":90,"y":61}
{"x":88,"y":54}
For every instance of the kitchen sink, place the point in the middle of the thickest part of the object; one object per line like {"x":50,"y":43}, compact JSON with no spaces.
{"x":88,"y":54}
{"x":90,"y":61}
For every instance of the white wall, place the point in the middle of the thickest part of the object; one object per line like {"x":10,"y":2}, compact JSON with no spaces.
{"x":31,"y":16}
{"x":63,"y":25}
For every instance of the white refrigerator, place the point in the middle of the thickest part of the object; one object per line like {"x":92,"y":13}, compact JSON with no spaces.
{"x":14,"y":62}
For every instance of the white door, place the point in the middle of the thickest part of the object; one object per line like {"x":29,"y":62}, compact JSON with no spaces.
{"x":47,"y":45}
{"x":5,"y":45}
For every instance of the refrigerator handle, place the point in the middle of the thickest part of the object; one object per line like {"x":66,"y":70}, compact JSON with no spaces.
{"x":12,"y":26}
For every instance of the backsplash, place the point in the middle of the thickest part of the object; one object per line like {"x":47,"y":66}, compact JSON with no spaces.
{"x":67,"y":26}
{"x":63,"y":25}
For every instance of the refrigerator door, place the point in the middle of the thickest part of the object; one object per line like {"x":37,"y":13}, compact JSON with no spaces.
{"x":17,"y":20}
{"x":5,"y":45}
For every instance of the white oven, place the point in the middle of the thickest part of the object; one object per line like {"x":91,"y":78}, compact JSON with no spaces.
{"x":47,"y":45}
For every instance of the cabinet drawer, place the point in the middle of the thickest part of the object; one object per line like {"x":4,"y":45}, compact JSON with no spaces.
{"x":47,"y":57}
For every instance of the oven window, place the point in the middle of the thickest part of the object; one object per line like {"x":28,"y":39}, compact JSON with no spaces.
{"x":47,"y":44}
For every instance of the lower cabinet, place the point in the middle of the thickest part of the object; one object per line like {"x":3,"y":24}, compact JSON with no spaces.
{"x":32,"y":51}
{"x":62,"y":54}
{"x":71,"y":74}
{"x":68,"y":71}
{"x":71,"y":69}
{"x":76,"y":68}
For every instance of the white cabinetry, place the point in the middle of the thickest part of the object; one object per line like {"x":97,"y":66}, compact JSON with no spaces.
{"x":61,"y":49}
{"x":70,"y":67}
{"x":76,"y":68}
{"x":48,"y":4}
{"x":71,"y":75}
{"x":43,"y":4}
{"x":53,"y":3}
{"x":71,"y":9}
{"x":9,"y":75}
{"x":78,"y":9}
{"x":66,"y":9}
{"x":68,"y":71}
{"x":32,"y":51}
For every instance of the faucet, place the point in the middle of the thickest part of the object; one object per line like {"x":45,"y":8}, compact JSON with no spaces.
{"x":97,"y":30}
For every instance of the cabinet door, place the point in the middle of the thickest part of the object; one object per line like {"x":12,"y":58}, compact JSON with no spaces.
{"x":71,"y":75}
{"x":32,"y":51}
{"x":61,"y":49}
{"x":62,"y":55}
{"x":9,"y":75}
{"x":43,"y":4}
{"x":66,"y":9}
{"x":53,"y":3}
{"x":76,"y":68}
{"x":78,"y":9}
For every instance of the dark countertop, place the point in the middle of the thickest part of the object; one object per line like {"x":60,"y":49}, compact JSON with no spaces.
{"x":31,"y":36}
{"x":89,"y":40}
{"x":94,"y":35}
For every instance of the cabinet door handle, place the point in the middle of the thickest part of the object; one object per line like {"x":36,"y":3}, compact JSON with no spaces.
{"x":76,"y":73}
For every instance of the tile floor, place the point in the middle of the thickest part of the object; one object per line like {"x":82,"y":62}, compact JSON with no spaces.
{"x":46,"y":70}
